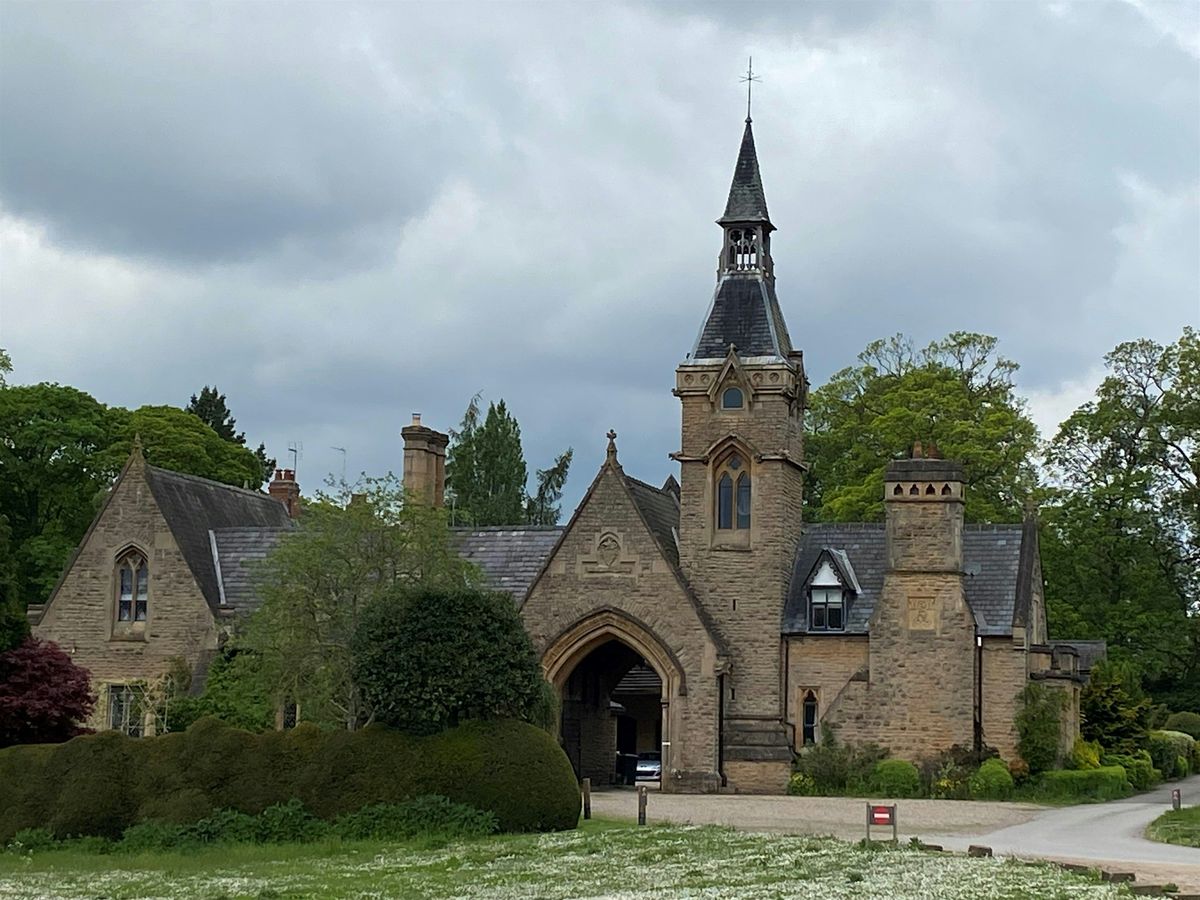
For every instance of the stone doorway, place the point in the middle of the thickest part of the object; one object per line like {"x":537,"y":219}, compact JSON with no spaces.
{"x":617,"y":684}
{"x":611,"y":712}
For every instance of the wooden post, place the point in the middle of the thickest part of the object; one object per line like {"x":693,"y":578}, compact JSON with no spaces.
{"x":586,"y":786}
{"x":642,"y":805}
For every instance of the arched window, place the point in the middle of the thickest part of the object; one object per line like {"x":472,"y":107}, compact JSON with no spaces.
{"x":733,"y":494}
{"x":133,"y":583}
{"x":732,"y":398}
{"x":809,"y":730}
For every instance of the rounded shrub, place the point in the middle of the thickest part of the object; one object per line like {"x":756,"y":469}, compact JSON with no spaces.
{"x":1187,"y":722}
{"x":1166,"y":750}
{"x":1084,"y":755}
{"x":1139,"y":769}
{"x":896,"y":778}
{"x":993,"y":781}
{"x":103,"y":784}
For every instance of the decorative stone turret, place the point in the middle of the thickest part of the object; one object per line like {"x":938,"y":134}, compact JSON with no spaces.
{"x":424,"y":462}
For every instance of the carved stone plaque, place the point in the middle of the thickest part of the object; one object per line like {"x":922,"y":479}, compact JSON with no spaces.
{"x":922,"y":613}
{"x":609,"y":557}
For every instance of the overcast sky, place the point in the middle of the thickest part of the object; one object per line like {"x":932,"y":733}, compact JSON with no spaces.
{"x":344,"y":213}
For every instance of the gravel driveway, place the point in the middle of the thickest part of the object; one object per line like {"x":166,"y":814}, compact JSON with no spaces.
{"x":1088,"y":833}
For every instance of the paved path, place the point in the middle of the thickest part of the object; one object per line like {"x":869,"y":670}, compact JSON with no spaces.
{"x":1089,"y":833}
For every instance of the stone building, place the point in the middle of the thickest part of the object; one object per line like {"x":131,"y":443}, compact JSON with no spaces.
{"x":754,"y":630}
{"x":157,"y":581}
{"x":701,"y":619}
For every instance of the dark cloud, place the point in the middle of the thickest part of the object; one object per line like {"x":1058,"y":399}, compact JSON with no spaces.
{"x":345,"y":213}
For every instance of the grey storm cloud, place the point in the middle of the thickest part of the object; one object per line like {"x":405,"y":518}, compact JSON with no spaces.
{"x":342,"y":213}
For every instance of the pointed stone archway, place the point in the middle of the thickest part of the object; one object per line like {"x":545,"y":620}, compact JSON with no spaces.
{"x":601,"y":668}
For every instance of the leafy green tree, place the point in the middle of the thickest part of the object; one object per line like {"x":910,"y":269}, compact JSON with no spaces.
{"x":486,"y":474}
{"x":210,"y":407}
{"x":1114,"y":710}
{"x":543,"y":507}
{"x":5,"y":366}
{"x":352,"y":546}
{"x":957,"y":393}
{"x":234,"y":692}
{"x":1120,"y":538}
{"x":1038,"y":721}
{"x":432,"y":659}
{"x":177,"y":440}
{"x":56,"y":461}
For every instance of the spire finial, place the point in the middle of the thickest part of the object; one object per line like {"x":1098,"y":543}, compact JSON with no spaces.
{"x":749,"y":78}
{"x":612,"y":445}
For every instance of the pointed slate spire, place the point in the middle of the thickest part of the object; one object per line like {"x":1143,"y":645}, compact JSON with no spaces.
{"x":747,"y":202}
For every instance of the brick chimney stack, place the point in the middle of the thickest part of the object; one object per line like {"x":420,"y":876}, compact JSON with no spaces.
{"x":283,"y":488}
{"x":425,"y":462}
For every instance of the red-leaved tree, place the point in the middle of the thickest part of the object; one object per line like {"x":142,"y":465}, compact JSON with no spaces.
{"x":43,"y":695}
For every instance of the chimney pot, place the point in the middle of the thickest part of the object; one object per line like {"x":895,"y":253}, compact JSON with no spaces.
{"x":416,"y":418}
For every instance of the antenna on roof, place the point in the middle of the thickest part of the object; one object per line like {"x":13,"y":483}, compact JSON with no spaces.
{"x":342,"y":450}
{"x":296,"y":448}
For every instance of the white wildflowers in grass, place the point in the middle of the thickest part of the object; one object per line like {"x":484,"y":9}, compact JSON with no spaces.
{"x":620,"y":863}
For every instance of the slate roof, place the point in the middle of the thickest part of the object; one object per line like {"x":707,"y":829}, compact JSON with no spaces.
{"x":239,"y":551}
{"x":991,"y":559}
{"x":509,"y":557}
{"x":747,"y":202}
{"x":1089,"y":652}
{"x":193,"y":506}
{"x":744,"y":312}
{"x":660,"y":508}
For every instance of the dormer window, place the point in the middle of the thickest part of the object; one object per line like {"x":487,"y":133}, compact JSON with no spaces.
{"x":733,"y":494}
{"x":732,"y":398}
{"x":827,"y":609}
{"x":827,"y":599}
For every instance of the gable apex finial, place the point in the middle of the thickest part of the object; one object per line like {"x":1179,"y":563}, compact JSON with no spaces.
{"x":612,"y":446}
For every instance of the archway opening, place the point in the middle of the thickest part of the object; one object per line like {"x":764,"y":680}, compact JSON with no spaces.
{"x":612,"y":716}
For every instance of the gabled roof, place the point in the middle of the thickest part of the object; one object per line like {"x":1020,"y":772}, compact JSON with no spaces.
{"x":239,"y":552}
{"x":745,"y":313}
{"x":194,"y":506}
{"x":991,"y":560}
{"x":747,"y":202}
{"x":509,"y":556}
{"x":660,"y":509}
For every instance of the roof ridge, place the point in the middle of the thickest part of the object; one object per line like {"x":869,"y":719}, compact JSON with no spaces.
{"x":197,"y":479}
{"x":645,"y":484}
{"x":478,"y":529}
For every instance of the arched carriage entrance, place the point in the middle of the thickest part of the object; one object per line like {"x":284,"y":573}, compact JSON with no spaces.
{"x":616,"y":682}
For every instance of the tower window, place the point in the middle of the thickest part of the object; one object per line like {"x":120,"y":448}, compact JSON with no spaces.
{"x":133,"y":577}
{"x":733,"y":495}
{"x":743,"y":249}
{"x":732,"y":398}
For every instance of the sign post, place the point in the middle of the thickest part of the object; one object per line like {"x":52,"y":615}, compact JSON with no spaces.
{"x":642,"y":805}
{"x":586,"y":788}
{"x":878,"y":814}
{"x":1176,"y":798}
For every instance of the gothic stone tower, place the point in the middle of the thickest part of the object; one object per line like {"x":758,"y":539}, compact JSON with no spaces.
{"x":742,"y":389}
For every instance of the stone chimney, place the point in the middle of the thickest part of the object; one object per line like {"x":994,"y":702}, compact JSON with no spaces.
{"x":924,"y":513}
{"x":424,"y":462}
{"x":283,"y":488}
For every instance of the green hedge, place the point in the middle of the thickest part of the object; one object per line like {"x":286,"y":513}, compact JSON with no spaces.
{"x":1187,"y":722}
{"x":896,"y":778}
{"x":1139,"y":768}
{"x":103,"y":783}
{"x":993,"y":781}
{"x":1168,"y":748}
{"x":1105,"y":783}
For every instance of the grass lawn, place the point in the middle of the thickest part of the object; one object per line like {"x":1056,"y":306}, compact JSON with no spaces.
{"x":1180,"y":826}
{"x":602,"y":859}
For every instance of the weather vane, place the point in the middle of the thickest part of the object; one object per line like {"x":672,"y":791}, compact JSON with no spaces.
{"x":749,"y":78}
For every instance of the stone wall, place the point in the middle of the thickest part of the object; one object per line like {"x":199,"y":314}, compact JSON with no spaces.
{"x":82,"y":617}
{"x":1004,"y":676}
{"x":609,"y":580}
{"x":824,"y":664}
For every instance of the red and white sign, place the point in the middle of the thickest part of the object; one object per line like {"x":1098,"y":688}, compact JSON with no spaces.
{"x":883,"y":815}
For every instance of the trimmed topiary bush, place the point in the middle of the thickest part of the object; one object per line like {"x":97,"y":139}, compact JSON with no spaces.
{"x":896,"y":778}
{"x":1105,"y":783}
{"x":1187,"y":722}
{"x":1166,"y":750}
{"x":992,"y":782}
{"x":1138,"y":768}
{"x":104,"y":783}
